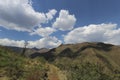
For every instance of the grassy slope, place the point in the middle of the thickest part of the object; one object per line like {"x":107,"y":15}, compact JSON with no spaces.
{"x":15,"y":67}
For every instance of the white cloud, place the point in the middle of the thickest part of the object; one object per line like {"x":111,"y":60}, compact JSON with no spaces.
{"x":51,"y":14}
{"x":19,"y":15}
{"x":8,"y":42}
{"x":47,"y":42}
{"x":65,"y":21}
{"x":94,"y":33}
{"x":44,"y":32}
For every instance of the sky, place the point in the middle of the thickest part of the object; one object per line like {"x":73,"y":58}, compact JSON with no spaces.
{"x":49,"y":23}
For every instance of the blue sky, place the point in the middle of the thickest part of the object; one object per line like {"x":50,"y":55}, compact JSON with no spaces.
{"x":86,"y":11}
{"x":48,"y":23}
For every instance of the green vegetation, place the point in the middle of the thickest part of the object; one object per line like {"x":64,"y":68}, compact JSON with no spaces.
{"x":89,"y":71}
{"x":86,"y":61}
{"x":16,"y":67}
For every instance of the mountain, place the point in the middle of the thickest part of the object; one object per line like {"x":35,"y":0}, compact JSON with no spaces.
{"x":95,"y":61}
{"x":85,"y":50}
{"x":81,"y":61}
{"x":28,"y":51}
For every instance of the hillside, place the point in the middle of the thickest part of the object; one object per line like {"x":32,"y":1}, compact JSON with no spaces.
{"x":95,"y":61}
{"x":99,"y":58}
{"x":13,"y":66}
{"x":81,"y":61}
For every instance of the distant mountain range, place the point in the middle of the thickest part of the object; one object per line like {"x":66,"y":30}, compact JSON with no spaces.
{"x":28,"y":51}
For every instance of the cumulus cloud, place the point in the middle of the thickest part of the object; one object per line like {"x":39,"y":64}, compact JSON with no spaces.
{"x":65,"y":21}
{"x":44,"y":32}
{"x":51,"y":14}
{"x":9,"y":42}
{"x":94,"y":33}
{"x":19,"y":15}
{"x":47,"y":42}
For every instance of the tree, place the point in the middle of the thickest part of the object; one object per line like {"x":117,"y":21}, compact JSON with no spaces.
{"x":24,"y":48}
